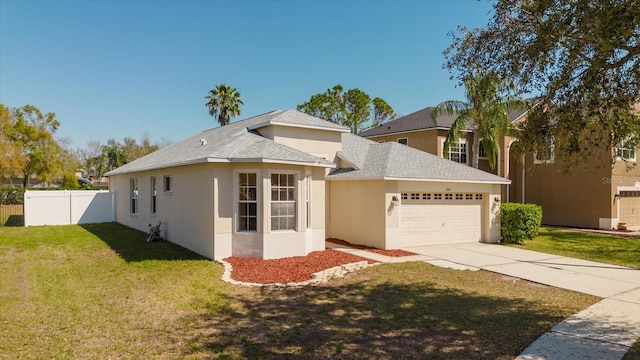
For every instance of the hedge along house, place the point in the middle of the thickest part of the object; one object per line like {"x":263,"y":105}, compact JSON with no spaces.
{"x":276,"y":185}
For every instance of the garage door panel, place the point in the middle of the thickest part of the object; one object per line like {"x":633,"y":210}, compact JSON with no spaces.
{"x":440,"y":223}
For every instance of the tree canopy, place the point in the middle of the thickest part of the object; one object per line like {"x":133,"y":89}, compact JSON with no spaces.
{"x":28,"y":137}
{"x":352,"y":108}
{"x":224,"y":102}
{"x":581,"y":56}
{"x":485,"y":110}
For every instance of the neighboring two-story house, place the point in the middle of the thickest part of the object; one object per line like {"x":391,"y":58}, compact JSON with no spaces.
{"x":595,"y":195}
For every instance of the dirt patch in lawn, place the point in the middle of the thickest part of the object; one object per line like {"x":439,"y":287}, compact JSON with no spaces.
{"x":392,"y":252}
{"x":293,"y":269}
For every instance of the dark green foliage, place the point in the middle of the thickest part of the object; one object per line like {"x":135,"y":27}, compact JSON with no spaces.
{"x":11,"y":196}
{"x":519,"y":222}
{"x":352,"y":108}
{"x":581,"y":56}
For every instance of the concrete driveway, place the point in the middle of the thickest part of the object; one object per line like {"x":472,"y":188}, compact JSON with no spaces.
{"x":605,"y":330}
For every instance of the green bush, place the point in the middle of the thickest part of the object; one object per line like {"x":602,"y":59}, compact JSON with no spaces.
{"x":11,"y":196}
{"x":69,"y":181}
{"x":519,"y":222}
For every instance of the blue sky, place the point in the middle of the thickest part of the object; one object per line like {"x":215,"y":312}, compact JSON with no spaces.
{"x":111,"y":69}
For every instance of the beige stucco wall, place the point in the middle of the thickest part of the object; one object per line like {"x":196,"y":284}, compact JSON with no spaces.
{"x":186,"y":212}
{"x":361,"y":212}
{"x":200,"y":213}
{"x":321,"y":143}
{"x":580,"y":198}
{"x":357,"y":212}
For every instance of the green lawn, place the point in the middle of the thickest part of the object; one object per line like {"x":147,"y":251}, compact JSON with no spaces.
{"x":101,"y":291}
{"x":585,"y":245}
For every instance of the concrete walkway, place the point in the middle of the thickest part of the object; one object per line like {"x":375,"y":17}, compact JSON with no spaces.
{"x":603,"y":331}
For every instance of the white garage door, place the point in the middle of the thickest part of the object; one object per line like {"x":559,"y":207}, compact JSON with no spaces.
{"x":440,"y":218}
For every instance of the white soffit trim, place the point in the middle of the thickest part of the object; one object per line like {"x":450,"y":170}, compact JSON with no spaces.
{"x":271,"y":161}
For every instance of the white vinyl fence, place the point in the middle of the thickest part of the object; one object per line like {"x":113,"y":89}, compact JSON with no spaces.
{"x":65,"y":207}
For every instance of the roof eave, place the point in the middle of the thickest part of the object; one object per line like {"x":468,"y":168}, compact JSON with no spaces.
{"x":390,"y":178}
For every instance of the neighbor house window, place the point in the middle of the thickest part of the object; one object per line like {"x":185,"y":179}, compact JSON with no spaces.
{"x":546,"y":154}
{"x":458,"y":151}
{"x":168,"y":184}
{"x":133,"y":185}
{"x":403,"y":141}
{"x":283,"y":202}
{"x":626,"y":151}
{"x":482,"y":153}
{"x":247,"y":202}
{"x":153,"y":195}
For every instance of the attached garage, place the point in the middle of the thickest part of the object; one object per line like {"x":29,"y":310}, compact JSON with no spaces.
{"x":437,"y":218}
{"x":391,"y":196}
{"x":629,"y":208}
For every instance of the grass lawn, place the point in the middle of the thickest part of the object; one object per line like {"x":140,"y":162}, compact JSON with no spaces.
{"x":588,"y":246}
{"x":101,"y":291}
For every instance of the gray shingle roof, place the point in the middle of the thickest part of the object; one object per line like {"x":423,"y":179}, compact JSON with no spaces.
{"x":420,"y":120}
{"x":234,"y":143}
{"x":386,"y":160}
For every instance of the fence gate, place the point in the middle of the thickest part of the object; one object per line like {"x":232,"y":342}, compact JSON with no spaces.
{"x":11,"y":207}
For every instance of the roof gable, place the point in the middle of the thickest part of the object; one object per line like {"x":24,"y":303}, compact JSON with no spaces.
{"x":230,"y":143}
{"x":422,"y":120}
{"x":390,"y":160}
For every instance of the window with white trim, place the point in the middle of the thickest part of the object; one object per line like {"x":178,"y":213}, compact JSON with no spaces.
{"x":154,"y":196}
{"x":545,"y":155}
{"x":247,"y":202}
{"x":482,"y":153}
{"x":626,"y":151}
{"x":133,"y":189}
{"x":437,"y":196}
{"x":403,"y":141}
{"x":283,"y":202}
{"x":404,"y":196}
{"x":458,"y":151}
{"x":168,"y":184}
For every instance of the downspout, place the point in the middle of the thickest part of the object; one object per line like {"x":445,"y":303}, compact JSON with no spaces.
{"x":523,"y":178}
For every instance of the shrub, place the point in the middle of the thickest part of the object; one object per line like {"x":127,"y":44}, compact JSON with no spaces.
{"x":69,"y":181}
{"x":519,"y":222}
{"x":11,"y":196}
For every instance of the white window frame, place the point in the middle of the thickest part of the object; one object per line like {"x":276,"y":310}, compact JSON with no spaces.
{"x":238,"y":201}
{"x":405,"y":139}
{"x":624,"y":153}
{"x":308,"y":192}
{"x":460,"y":141}
{"x":549,"y":152}
{"x":154,"y":196}
{"x":481,"y":150}
{"x":167,"y":184}
{"x":295,"y":201}
{"x":134,"y":196}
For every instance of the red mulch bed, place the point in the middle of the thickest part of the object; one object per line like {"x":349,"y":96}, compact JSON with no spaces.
{"x":393,"y":253}
{"x":293,"y":269}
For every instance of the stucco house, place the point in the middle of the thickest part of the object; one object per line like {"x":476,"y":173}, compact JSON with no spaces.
{"x":595,"y":195}
{"x":278,"y":184}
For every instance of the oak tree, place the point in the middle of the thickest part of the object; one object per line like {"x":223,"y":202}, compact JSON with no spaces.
{"x":581,"y":56}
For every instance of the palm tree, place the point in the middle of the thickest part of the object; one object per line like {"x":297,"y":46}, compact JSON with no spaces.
{"x":224,"y":101}
{"x":485,"y":110}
